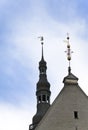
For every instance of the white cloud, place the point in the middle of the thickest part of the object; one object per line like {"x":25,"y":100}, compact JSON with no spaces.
{"x":14,"y":118}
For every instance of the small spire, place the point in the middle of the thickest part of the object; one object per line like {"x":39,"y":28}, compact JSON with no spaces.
{"x":42,"y":39}
{"x":68,"y":53}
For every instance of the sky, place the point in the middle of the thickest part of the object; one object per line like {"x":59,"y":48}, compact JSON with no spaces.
{"x":21,"y":23}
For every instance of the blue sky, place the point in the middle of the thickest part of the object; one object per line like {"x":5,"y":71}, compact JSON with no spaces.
{"x":21,"y":22}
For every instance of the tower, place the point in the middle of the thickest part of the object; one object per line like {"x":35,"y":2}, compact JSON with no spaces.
{"x":69,"y":111}
{"x":42,"y":92}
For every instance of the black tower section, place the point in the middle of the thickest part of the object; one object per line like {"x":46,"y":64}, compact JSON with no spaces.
{"x":42,"y":93}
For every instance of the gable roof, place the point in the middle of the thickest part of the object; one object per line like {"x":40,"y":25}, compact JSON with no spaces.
{"x":60,"y":115}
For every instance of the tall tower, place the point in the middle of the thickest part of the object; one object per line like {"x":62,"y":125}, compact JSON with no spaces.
{"x":69,"y":111}
{"x":42,"y":92}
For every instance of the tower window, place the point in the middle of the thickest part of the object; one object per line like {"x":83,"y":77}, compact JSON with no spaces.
{"x":42,"y":70}
{"x":76,"y":114}
{"x":47,"y":98}
{"x":39,"y":99}
{"x":44,"y":98}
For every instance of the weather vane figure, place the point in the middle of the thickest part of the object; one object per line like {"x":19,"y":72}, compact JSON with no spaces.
{"x":69,"y":52}
{"x":41,"y":39}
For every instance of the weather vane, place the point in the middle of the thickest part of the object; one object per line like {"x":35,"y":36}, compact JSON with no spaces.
{"x":69,"y":52}
{"x":41,"y":39}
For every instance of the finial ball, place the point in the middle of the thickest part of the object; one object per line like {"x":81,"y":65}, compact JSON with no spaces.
{"x":68,"y":38}
{"x":42,"y":43}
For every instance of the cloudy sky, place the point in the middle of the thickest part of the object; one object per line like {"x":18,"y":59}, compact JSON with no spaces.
{"x":21,"y":22}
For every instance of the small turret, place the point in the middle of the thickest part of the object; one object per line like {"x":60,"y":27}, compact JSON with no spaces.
{"x":70,"y":79}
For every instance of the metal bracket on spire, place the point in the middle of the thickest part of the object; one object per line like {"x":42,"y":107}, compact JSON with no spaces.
{"x":69,"y":52}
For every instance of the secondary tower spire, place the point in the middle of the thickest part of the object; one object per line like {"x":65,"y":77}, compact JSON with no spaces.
{"x":69,"y":52}
{"x":70,"y":79}
{"x":42,"y":42}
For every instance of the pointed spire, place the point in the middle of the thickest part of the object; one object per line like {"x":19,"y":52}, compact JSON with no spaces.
{"x":42,"y":63}
{"x":42,"y":47}
{"x":68,"y":53}
{"x":70,"y":78}
{"x":42,"y":92}
{"x":42,"y":39}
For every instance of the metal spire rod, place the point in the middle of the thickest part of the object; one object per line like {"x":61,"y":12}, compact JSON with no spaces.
{"x":42,"y":39}
{"x":68,"y":53}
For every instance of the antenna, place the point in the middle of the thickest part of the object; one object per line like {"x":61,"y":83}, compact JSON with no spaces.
{"x":69,"y":52}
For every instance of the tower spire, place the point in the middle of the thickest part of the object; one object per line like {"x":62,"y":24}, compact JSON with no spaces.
{"x":68,"y":51}
{"x":42,"y":42}
{"x":70,"y":78}
{"x":42,"y":92}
